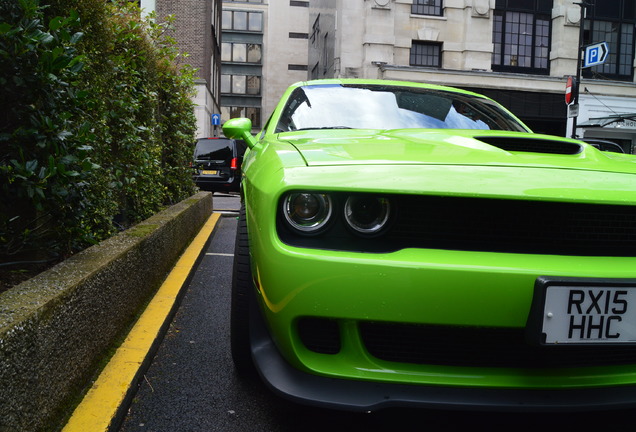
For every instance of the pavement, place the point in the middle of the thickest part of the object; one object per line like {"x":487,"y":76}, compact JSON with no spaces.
{"x":105,"y":403}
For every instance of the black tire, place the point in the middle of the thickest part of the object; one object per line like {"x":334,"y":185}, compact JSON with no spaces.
{"x":242,"y":292}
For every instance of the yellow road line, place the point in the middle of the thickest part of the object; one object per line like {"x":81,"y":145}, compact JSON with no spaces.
{"x":101,"y":404}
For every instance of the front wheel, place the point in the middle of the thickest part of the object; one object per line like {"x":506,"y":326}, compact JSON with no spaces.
{"x":242,"y":292}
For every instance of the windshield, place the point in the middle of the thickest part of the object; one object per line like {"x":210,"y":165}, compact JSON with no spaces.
{"x":390,"y":107}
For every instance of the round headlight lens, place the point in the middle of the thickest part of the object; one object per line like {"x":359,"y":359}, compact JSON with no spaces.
{"x":367,"y":214}
{"x":307,"y":212}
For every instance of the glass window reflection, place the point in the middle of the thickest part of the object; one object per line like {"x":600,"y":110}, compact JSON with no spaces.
{"x":253,"y":53}
{"x":255,"y":21}
{"x":239,"y":52}
{"x":240,"y":20}
{"x":381,"y":107}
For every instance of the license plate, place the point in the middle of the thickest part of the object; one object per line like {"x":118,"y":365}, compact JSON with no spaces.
{"x":580,"y":314}
{"x":209,"y":172}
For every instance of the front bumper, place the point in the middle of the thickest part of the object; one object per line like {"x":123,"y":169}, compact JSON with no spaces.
{"x":364,"y":396}
{"x":439,"y":290}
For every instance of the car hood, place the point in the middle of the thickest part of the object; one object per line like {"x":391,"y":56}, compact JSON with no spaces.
{"x":452,"y":147}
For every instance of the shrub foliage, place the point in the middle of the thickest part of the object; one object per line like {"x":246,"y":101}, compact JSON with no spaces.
{"x":96,"y":124}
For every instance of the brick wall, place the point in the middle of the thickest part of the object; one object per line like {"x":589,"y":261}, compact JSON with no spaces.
{"x":193,"y":31}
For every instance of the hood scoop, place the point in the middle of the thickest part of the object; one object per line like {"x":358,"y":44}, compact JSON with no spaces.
{"x":533,"y":145}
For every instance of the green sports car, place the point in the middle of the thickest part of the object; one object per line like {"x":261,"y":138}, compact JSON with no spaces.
{"x":404,"y":244}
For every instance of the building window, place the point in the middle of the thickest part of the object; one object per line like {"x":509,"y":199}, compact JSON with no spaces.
{"x":252,"y":113}
{"x":521,"y":36}
{"x":427,"y":7}
{"x":240,"y":52}
{"x":226,"y":83}
{"x":299,"y":3}
{"x":612,"y":22}
{"x":426,"y":54}
{"x":253,"y":85}
{"x":296,"y":67}
{"x":298,"y":35}
{"x":241,"y":84}
{"x":242,"y":21}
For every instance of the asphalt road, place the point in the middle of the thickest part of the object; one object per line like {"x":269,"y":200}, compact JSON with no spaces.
{"x":191,"y":384}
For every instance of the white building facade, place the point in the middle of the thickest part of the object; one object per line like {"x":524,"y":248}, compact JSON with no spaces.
{"x":519,"y":52}
{"x":264,"y":50}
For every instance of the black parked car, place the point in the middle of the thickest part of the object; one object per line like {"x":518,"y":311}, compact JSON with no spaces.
{"x":217,"y":164}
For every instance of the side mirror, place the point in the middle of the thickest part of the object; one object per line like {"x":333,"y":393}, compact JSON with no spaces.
{"x":240,"y":128}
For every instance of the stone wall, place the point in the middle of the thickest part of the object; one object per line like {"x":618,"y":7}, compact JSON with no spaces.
{"x":56,"y":328}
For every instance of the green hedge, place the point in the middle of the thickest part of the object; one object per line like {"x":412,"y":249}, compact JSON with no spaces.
{"x":96,"y":124}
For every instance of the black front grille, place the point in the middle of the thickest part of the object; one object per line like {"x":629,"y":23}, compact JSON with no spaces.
{"x":516,"y":226}
{"x":486,"y":225}
{"x":320,"y":335}
{"x":480,"y":347}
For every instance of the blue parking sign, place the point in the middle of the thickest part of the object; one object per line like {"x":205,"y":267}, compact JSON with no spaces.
{"x":595,"y":54}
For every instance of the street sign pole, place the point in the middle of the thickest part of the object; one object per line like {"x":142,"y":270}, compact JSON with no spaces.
{"x":215,"y":119}
{"x":579,"y":60}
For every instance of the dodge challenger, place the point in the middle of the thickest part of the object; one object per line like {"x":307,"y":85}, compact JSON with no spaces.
{"x":405,"y":244}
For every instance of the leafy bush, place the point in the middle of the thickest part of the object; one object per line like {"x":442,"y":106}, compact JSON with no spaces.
{"x":96,"y":124}
{"x":42,"y":171}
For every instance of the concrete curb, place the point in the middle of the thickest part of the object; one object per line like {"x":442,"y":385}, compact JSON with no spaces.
{"x":104,"y":406}
{"x":56,"y":328}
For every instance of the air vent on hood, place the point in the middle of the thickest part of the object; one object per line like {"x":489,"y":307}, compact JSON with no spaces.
{"x":533,"y":145}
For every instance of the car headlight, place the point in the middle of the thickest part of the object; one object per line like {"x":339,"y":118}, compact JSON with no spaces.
{"x":307,"y":212}
{"x":367,"y":214}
